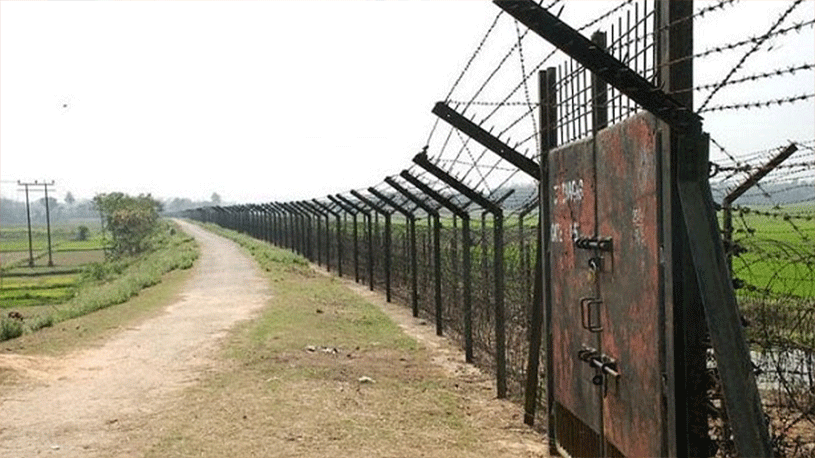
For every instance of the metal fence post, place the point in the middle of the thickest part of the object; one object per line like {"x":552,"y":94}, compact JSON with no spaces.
{"x":541,"y":296}
{"x":380,"y":210}
{"x":460,"y":212}
{"x":328,"y":211}
{"x":411,"y":220}
{"x":340,"y":202}
{"x":434,"y":214}
{"x":498,"y":257}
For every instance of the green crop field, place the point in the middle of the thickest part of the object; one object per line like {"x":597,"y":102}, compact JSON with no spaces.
{"x":81,"y":279}
{"x":62,"y":238}
{"x":780,"y":249}
{"x":78,"y":257}
{"x":44,"y":284}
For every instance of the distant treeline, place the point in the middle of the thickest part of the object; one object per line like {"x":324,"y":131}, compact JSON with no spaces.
{"x":780,"y":193}
{"x":12,"y":212}
{"x":772,"y":193}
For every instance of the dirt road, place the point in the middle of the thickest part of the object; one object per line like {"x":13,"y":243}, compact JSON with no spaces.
{"x":87,"y":403}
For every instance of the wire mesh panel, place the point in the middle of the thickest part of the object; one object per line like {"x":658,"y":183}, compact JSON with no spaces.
{"x":400,"y":263}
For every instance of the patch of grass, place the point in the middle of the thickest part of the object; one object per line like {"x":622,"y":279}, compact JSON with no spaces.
{"x":97,"y":243}
{"x":39,"y":271}
{"x":43,"y":321}
{"x":55,"y":338}
{"x":116,"y":282}
{"x":62,"y":238}
{"x":779,"y":251}
{"x":77,"y":257}
{"x":10,"y":329}
{"x":268,"y":257}
{"x":40,"y":282}
{"x":353,"y":318}
{"x":35,"y":296}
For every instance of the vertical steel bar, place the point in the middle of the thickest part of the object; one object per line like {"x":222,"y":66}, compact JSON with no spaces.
{"x":466,"y":246}
{"x":615,"y":109}
{"x":687,"y":433}
{"x":356,"y":246}
{"x":339,"y":245}
{"x":414,"y":274}
{"x":522,"y":256}
{"x":628,"y":45}
{"x":621,"y":31}
{"x":635,"y":59}
{"x":454,"y":281}
{"x":561,"y":94}
{"x":327,"y":242}
{"x":437,"y":273}
{"x":285,"y":226}
{"x":309,"y":235}
{"x":270,"y":217}
{"x":599,"y":89}
{"x":370,"y":253}
{"x":572,"y":102}
{"x":541,"y":302}
{"x":485,"y":274}
{"x":586,"y":104}
{"x":388,"y":257}
{"x":317,"y":231}
{"x":500,"y":326}
{"x":303,"y":235}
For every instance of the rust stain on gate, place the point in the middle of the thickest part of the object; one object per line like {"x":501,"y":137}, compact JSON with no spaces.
{"x":607,"y":299}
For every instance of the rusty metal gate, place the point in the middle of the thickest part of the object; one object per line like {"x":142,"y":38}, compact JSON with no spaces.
{"x":607,"y":313}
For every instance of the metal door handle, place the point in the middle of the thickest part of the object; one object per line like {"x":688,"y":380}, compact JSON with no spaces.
{"x":586,"y":315}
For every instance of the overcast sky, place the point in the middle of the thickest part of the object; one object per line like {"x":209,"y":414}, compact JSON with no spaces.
{"x":253,"y":100}
{"x":257,"y":101}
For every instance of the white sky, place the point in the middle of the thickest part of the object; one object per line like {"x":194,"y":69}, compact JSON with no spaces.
{"x":255,"y":100}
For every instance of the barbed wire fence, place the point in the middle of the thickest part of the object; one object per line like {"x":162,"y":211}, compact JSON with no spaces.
{"x":767,"y":192}
{"x":453,"y":254}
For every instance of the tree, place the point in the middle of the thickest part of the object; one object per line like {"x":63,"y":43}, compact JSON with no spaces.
{"x":69,"y":198}
{"x":215,"y":198}
{"x":82,"y":233}
{"x":52,"y":202}
{"x":130,"y":220}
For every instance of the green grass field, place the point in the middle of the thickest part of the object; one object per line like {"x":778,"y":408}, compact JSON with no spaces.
{"x":23,"y":286}
{"x":63,"y":238}
{"x":780,"y":256}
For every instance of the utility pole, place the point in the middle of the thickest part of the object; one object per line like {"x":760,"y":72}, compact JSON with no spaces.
{"x":28,"y":217}
{"x":47,"y":221}
{"x":48,"y":224}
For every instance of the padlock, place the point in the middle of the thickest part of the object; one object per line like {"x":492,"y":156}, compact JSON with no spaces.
{"x":596,"y":264}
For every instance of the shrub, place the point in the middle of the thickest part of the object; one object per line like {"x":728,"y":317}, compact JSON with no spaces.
{"x":45,"y":321}
{"x":10,"y":328}
{"x":116,"y":281}
{"x":82,"y":233}
{"x":130,"y":220}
